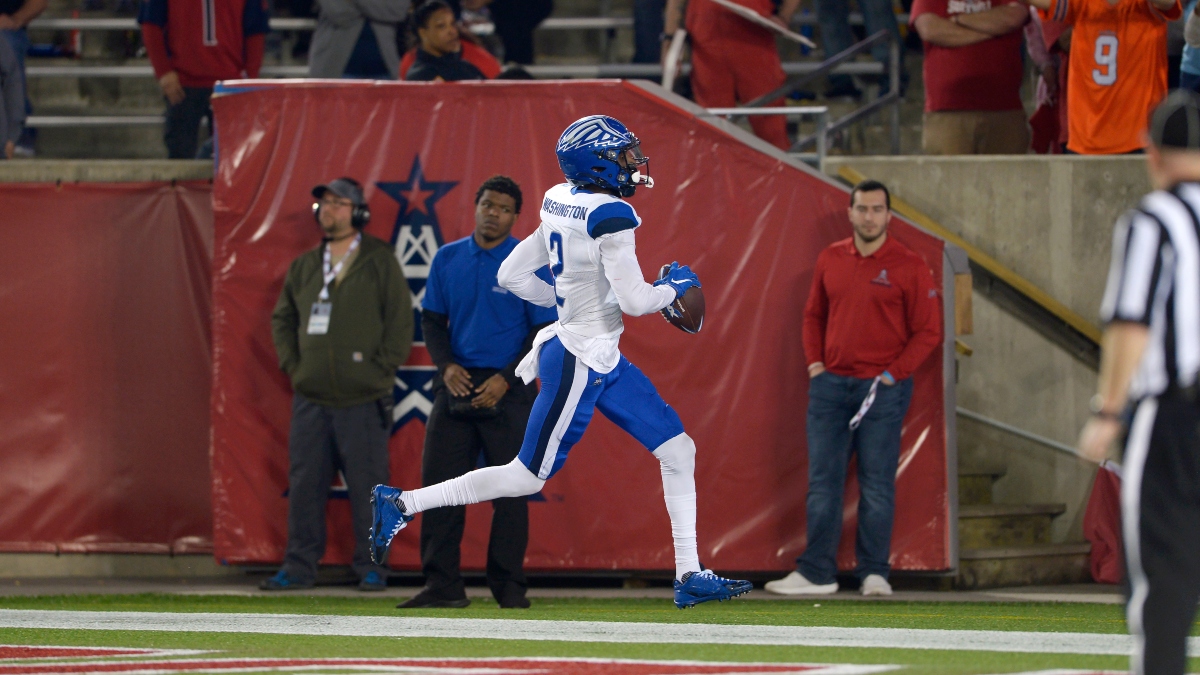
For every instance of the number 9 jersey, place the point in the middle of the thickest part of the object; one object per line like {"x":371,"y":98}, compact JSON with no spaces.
{"x":587,"y":239}
{"x":1118,"y":71}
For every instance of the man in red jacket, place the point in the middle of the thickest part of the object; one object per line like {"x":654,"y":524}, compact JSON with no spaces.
{"x":192,"y":45}
{"x":734,"y":60}
{"x":873,"y":316}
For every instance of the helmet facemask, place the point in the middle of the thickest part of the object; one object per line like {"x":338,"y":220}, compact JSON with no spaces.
{"x":630,"y":160}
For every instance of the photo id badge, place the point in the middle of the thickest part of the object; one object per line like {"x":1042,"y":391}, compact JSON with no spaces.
{"x":318,"y":321}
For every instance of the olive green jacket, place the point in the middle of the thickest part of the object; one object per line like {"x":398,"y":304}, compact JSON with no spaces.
{"x":370,"y":328}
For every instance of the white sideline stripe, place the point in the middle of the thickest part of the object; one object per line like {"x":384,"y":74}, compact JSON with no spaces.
{"x":581,"y":631}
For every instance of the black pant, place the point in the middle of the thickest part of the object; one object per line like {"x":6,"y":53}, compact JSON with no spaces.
{"x":452,"y":447}
{"x":323,"y":439}
{"x":1160,"y":503}
{"x":181,"y":129}
{"x":515,"y":22}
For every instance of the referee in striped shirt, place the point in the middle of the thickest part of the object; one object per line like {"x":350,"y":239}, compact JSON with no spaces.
{"x":1151,"y":357}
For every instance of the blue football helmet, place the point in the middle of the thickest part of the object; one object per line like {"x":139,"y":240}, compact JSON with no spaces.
{"x":598,"y":150}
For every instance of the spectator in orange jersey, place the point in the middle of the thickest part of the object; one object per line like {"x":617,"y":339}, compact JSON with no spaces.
{"x":1117,"y":69}
{"x":733,"y":60}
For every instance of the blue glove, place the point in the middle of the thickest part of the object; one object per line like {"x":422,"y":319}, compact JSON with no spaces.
{"x":680,"y":278}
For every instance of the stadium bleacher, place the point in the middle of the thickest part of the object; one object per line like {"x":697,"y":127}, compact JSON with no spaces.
{"x":100,"y":102}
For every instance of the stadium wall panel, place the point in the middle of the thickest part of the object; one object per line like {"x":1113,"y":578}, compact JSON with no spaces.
{"x":107,"y":369}
{"x":749,"y":220}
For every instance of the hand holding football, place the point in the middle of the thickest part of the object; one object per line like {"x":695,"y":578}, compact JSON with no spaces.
{"x":687,"y":311}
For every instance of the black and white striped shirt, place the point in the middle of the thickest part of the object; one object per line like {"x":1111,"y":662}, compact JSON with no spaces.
{"x":1154,"y":280}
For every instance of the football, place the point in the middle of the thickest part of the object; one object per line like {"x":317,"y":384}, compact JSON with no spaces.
{"x":687,"y":312}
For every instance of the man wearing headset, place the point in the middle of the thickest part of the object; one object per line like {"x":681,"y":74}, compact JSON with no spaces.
{"x":343,"y":324}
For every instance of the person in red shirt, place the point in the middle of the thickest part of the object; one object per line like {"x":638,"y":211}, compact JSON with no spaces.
{"x":973,"y":71}
{"x":873,"y":316}
{"x":191,"y":45}
{"x":733,"y":60}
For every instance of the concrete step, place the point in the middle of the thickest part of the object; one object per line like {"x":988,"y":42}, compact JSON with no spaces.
{"x":992,"y":525}
{"x":100,"y":142}
{"x":975,"y":486}
{"x":1023,"y":566}
{"x":84,"y":92}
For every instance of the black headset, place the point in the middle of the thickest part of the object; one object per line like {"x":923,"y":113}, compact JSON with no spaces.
{"x":360,"y":214}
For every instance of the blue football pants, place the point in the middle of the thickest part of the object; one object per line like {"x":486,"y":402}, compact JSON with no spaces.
{"x":571,"y":391}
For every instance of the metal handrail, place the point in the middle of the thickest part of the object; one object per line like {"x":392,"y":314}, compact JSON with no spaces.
{"x":891,"y":98}
{"x":821,"y":69}
{"x":595,"y":71}
{"x":1017,"y":431}
{"x":820,"y":112}
{"x":303,"y":24}
{"x":44,"y":121}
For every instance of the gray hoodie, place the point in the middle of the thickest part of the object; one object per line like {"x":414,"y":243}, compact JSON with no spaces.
{"x":339,"y":23}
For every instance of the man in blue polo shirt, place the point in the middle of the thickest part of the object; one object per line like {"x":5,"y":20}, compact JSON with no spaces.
{"x":477,"y":333}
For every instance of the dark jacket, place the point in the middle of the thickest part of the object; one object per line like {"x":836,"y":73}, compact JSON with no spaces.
{"x":450,"y":67}
{"x":370,"y":328}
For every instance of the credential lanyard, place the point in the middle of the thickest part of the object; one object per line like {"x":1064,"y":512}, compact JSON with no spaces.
{"x":866,"y":404}
{"x":330,"y":271}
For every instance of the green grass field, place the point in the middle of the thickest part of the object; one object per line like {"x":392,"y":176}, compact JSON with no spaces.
{"x":1037,"y":617}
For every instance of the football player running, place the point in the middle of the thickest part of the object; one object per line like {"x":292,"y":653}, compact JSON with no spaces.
{"x":586,"y":236}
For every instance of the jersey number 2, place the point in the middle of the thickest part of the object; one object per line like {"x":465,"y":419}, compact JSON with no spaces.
{"x":1106,"y":57}
{"x":556,"y":248}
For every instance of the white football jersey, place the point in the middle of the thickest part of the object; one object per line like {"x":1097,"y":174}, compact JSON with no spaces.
{"x":587,"y":239}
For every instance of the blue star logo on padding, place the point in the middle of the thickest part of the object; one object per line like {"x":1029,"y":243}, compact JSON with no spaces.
{"x":415,"y":238}
{"x":417,"y":198}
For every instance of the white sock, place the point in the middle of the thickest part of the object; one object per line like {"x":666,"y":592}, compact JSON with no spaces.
{"x":480,"y":485}
{"x":677,"y":462}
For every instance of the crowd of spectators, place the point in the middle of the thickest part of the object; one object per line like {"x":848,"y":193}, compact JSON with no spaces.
{"x":1090,"y":100}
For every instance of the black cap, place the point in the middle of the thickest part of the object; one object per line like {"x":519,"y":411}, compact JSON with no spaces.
{"x":1175,"y":123}
{"x":347,"y":188}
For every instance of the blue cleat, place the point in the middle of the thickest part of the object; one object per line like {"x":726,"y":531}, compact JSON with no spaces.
{"x":389,"y":518}
{"x":698,"y":587}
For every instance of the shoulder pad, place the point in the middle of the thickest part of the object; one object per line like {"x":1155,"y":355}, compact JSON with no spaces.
{"x":611,"y":217}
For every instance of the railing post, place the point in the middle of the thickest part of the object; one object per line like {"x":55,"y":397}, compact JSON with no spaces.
{"x":822,"y":138}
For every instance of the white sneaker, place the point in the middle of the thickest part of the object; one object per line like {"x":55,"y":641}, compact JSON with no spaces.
{"x":796,"y":584}
{"x":875,"y":584}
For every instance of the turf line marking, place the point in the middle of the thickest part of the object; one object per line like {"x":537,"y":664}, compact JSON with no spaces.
{"x":439,"y":666}
{"x":52,"y":652}
{"x":580,"y":631}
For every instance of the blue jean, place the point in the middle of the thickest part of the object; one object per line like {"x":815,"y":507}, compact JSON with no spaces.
{"x":1189,"y":81}
{"x":19,"y":39}
{"x":834,"y":19}
{"x":832,"y":401}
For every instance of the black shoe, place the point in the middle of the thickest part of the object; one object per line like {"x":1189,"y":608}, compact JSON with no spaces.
{"x":427,"y":600}
{"x":282,"y":582}
{"x":513,"y":597}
